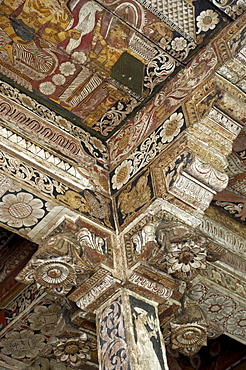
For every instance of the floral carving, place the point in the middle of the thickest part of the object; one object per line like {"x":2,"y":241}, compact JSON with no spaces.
{"x":237,"y":323}
{"x":207,"y":20}
{"x":188,"y":338}
{"x":72,"y":351}
{"x":45,"y":318}
{"x":79,"y":57}
{"x":56,"y":274}
{"x":64,"y":257}
{"x":147,"y":151}
{"x":185,"y":259}
{"x":24,"y":343}
{"x":21,"y":210}
{"x":58,"y":79}
{"x":171,"y":127}
{"x":179,"y":43}
{"x":219,"y":306}
{"x":47,"y":88}
{"x":67,"y":68}
{"x":122,"y":175}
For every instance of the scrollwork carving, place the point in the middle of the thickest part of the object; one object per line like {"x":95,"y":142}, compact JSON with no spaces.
{"x":89,"y":239}
{"x":64,"y":259}
{"x":57,"y":274}
{"x":188,"y":338}
{"x":188,"y":331}
{"x":142,"y":237}
{"x":174,"y":247}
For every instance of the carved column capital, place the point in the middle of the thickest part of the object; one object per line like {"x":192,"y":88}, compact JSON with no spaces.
{"x":172,"y":247}
{"x":67,"y":256}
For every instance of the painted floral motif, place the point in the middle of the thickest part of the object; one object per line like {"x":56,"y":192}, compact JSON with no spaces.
{"x":122,"y":175}
{"x":240,"y":7}
{"x":237,"y":323}
{"x":58,"y":79}
{"x":171,"y":127}
{"x":21,"y":210}
{"x":73,"y":351}
{"x":45,"y":318}
{"x":24,"y":343}
{"x":79,"y":57}
{"x":237,"y":9}
{"x":67,"y":68}
{"x":184,"y":259}
{"x":207,"y":20}
{"x":27,"y":101}
{"x":179,"y":43}
{"x":47,"y":88}
{"x":219,"y":307}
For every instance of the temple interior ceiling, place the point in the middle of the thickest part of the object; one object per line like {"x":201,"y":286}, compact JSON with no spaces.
{"x":99,"y":74}
{"x":122,"y":150}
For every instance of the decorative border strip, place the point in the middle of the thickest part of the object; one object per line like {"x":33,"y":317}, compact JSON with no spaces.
{"x":148,"y":150}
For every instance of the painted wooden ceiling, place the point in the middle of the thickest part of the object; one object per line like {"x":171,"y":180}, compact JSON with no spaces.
{"x":109,"y":67}
{"x":96,"y":62}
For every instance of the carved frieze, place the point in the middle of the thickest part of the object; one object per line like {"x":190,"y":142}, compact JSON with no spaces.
{"x":95,"y":290}
{"x":151,"y":283}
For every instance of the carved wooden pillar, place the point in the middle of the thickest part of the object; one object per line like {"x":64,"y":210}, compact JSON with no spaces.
{"x":129,"y":335}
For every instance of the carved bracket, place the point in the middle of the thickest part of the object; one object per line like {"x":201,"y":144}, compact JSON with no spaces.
{"x":66,"y":257}
{"x":174,"y":248}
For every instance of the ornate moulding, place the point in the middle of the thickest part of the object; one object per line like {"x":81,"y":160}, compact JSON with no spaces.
{"x":23,"y":147}
{"x":182,"y":159}
{"x":169,"y":245}
{"x":195,"y":78}
{"x":47,"y":127}
{"x":188,"y":172}
{"x":48,"y":187}
{"x":223,"y":309}
{"x":224,"y":236}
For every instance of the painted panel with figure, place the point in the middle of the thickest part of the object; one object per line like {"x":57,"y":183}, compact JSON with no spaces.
{"x":97,"y":63}
{"x":147,"y":335}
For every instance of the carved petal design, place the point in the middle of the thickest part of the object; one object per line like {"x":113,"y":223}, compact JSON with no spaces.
{"x":56,"y":274}
{"x":188,"y":338}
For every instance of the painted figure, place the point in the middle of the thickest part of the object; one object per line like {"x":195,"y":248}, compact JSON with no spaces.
{"x":146,"y":329}
{"x":24,"y":21}
{"x":110,"y":51}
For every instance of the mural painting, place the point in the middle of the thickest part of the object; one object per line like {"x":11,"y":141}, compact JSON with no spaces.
{"x":146,"y":334}
{"x":91,"y":64}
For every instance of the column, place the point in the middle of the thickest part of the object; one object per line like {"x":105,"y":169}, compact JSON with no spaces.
{"x":129,"y":336}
